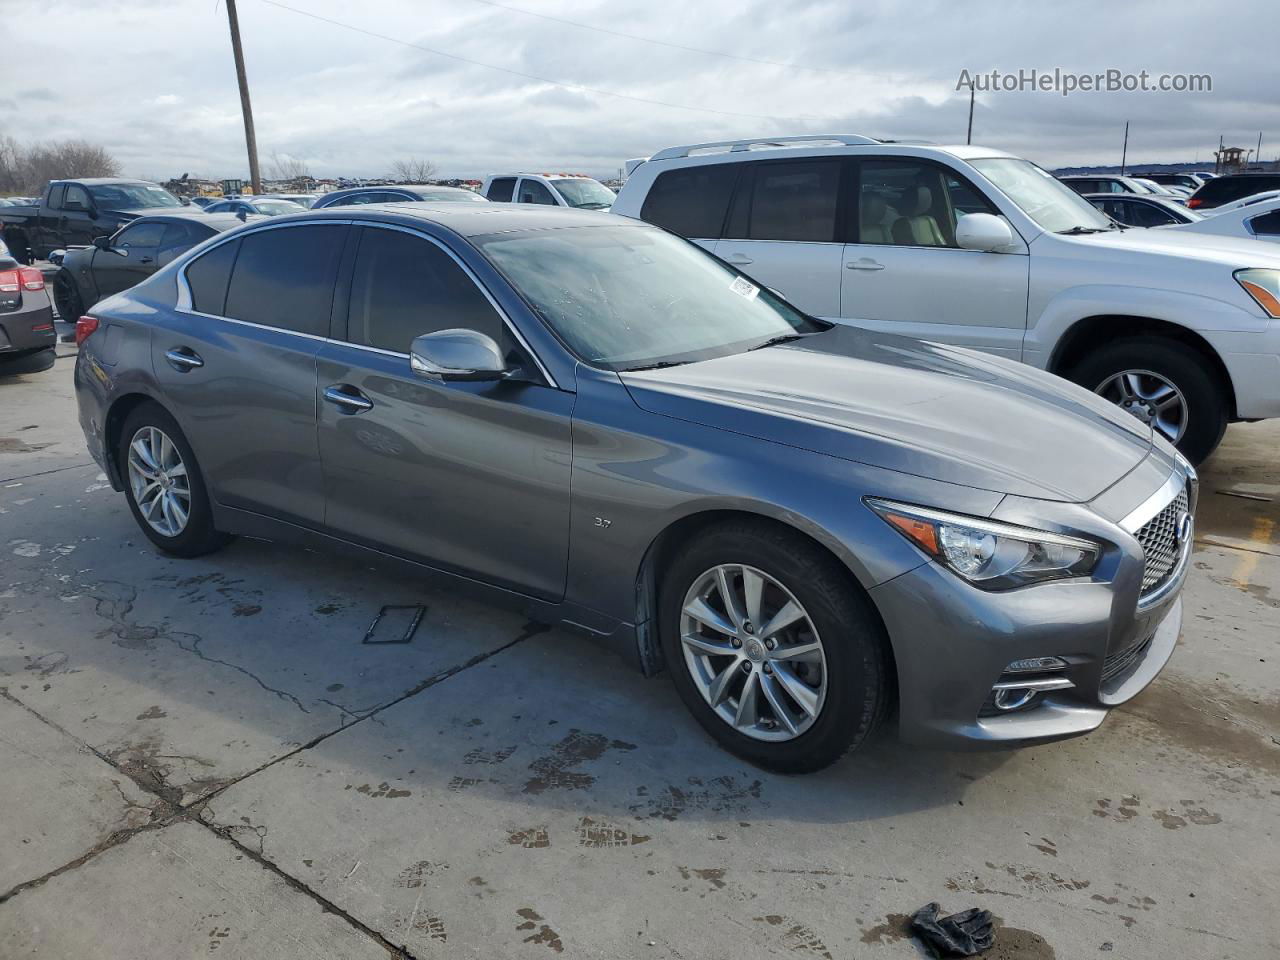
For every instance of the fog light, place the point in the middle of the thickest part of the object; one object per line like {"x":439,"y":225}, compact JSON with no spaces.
{"x":1036,"y":665}
{"x":1014,"y":699}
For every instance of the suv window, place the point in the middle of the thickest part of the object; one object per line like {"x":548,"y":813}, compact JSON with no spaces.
{"x":404,"y":286}
{"x":501,"y":189}
{"x":691,"y":202}
{"x":1228,"y":188}
{"x":207,"y":277}
{"x":140,"y":235}
{"x":1267,"y":225}
{"x":795,"y":200}
{"x":284,"y":278}
{"x":531,"y":191}
{"x":77,"y":198}
{"x":912,"y":203}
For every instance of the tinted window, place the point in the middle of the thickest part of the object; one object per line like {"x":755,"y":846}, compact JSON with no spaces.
{"x":404,"y":286}
{"x":1225,"y":189}
{"x":501,"y":189}
{"x":912,"y":203}
{"x":1150,"y":215}
{"x":691,"y":202}
{"x":1267,"y":225}
{"x":179,"y":237}
{"x":55,"y":195}
{"x":77,"y":198}
{"x":531,"y":191}
{"x":284,"y":278}
{"x":794,"y":201}
{"x":207,"y":276}
{"x":140,"y":235}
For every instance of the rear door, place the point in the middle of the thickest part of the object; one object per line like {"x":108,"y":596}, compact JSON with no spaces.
{"x":131,"y":259}
{"x":237,"y":362}
{"x":904,"y":273}
{"x":469,"y":477}
{"x":783,"y":229}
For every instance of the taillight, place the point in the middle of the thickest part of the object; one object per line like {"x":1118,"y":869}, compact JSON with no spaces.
{"x":9,"y":281}
{"x":31,"y":278}
{"x":1195,"y":202}
{"x":86,"y":326}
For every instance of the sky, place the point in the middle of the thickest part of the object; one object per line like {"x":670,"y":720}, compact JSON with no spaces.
{"x":153,"y":80}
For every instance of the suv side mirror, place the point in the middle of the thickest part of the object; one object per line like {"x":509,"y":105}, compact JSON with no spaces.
{"x":983,"y":231}
{"x":457,"y":355}
{"x":102,"y":243}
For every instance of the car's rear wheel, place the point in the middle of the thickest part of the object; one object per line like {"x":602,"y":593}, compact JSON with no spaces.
{"x":1164,"y":383}
{"x":66,"y":296}
{"x":772,"y":646}
{"x":164,"y":486}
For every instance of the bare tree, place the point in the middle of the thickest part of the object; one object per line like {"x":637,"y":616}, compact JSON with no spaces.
{"x":27,"y":168}
{"x":284,"y":166}
{"x":414,"y":170}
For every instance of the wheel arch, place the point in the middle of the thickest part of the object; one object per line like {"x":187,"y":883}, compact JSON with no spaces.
{"x":1090,"y":332}
{"x":690,"y":525}
{"x":112,"y":427}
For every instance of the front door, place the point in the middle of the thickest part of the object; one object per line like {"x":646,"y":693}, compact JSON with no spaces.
{"x":782,"y":231}
{"x":239,"y":368}
{"x":75,"y":221}
{"x":469,"y":477}
{"x":131,"y":259}
{"x":905,"y":274}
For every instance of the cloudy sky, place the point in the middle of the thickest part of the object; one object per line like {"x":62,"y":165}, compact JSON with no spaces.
{"x":153,"y":80}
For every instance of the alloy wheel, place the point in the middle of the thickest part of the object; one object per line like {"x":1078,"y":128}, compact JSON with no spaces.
{"x":1151,"y":398}
{"x":753,"y":652}
{"x":159,"y":481}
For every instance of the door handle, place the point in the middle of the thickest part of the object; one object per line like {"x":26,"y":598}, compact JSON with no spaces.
{"x":183,"y":359}
{"x":864,"y":263}
{"x":347,"y":398}
{"x":738,"y":259}
{"x":146,"y":260}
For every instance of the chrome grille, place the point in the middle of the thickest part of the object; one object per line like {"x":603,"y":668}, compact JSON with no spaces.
{"x":1160,"y":546}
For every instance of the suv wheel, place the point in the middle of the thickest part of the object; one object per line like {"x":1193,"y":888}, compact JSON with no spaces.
{"x":1164,"y":383}
{"x":772,"y":646}
{"x":164,"y":486}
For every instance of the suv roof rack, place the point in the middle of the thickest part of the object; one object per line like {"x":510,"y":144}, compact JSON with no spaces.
{"x":763,"y":143}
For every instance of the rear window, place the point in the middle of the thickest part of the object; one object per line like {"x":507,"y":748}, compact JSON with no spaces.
{"x":794,"y":201}
{"x":691,"y":202}
{"x":284,"y":278}
{"x":501,"y":189}
{"x":207,"y":277}
{"x":1226,"y":189}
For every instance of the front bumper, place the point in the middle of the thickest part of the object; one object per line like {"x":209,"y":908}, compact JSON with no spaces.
{"x":953,"y":643}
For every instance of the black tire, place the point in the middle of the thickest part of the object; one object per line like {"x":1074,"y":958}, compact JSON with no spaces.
{"x":66,"y":296}
{"x":853,"y":638}
{"x":198,"y":537}
{"x":1205,"y":394}
{"x":28,"y":361}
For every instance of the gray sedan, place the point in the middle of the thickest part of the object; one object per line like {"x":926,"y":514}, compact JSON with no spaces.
{"x":599,"y":422}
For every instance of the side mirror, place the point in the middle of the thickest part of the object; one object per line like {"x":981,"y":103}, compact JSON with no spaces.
{"x":457,"y":355}
{"x":102,"y":243}
{"x":56,"y":257}
{"x":983,"y":231}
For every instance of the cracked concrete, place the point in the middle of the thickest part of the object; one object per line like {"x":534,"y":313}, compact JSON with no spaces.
{"x":199,"y":758}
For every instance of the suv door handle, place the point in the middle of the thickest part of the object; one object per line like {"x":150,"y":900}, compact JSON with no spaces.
{"x":183,"y":359}
{"x":864,"y":263}
{"x":348,"y":398}
{"x":146,"y":260}
{"x":738,"y":259}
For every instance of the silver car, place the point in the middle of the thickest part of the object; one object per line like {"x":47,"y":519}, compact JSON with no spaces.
{"x":599,"y":422}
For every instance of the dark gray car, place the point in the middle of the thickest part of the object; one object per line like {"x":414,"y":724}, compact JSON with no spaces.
{"x":593,"y":419}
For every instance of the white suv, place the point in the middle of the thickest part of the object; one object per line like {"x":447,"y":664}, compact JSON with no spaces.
{"x":975,"y":247}
{"x":553,"y":189}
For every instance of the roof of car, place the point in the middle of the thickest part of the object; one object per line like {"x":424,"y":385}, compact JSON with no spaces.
{"x":195,"y":215}
{"x":101,"y":181}
{"x":467,"y":219}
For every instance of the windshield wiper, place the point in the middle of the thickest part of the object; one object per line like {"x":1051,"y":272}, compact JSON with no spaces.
{"x":1076,"y":231}
{"x":660,"y":365}
{"x":774,"y":341}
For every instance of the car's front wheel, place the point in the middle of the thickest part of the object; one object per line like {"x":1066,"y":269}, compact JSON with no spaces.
{"x":772,"y":646}
{"x":66,"y":296}
{"x":1164,"y":383}
{"x":164,"y":486}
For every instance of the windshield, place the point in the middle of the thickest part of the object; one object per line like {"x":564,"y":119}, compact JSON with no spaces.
{"x":129,"y":196}
{"x":1042,"y":197}
{"x":633,"y":297}
{"x":585,"y":193}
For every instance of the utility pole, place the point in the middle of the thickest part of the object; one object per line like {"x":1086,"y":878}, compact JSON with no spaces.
{"x":1258,"y":156}
{"x":969,"y":136}
{"x":250,"y":141}
{"x":1124,"y":153}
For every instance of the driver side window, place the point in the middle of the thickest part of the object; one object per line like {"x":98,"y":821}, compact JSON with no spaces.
{"x":139,"y":235}
{"x":531,"y":191}
{"x":76,"y":198}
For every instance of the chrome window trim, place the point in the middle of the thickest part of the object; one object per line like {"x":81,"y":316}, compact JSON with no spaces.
{"x":183,"y":302}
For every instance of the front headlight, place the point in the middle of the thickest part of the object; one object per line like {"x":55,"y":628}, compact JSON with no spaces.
{"x":990,"y":555}
{"x":1264,"y":287}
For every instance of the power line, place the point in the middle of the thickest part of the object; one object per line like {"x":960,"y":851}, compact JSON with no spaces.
{"x":530,"y":76}
{"x":665,"y":43}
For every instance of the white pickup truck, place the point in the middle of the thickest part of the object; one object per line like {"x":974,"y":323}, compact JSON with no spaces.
{"x":971,"y":246}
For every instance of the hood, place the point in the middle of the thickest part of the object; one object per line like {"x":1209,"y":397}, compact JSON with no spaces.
{"x":1233,"y":252}
{"x":921,"y":408}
